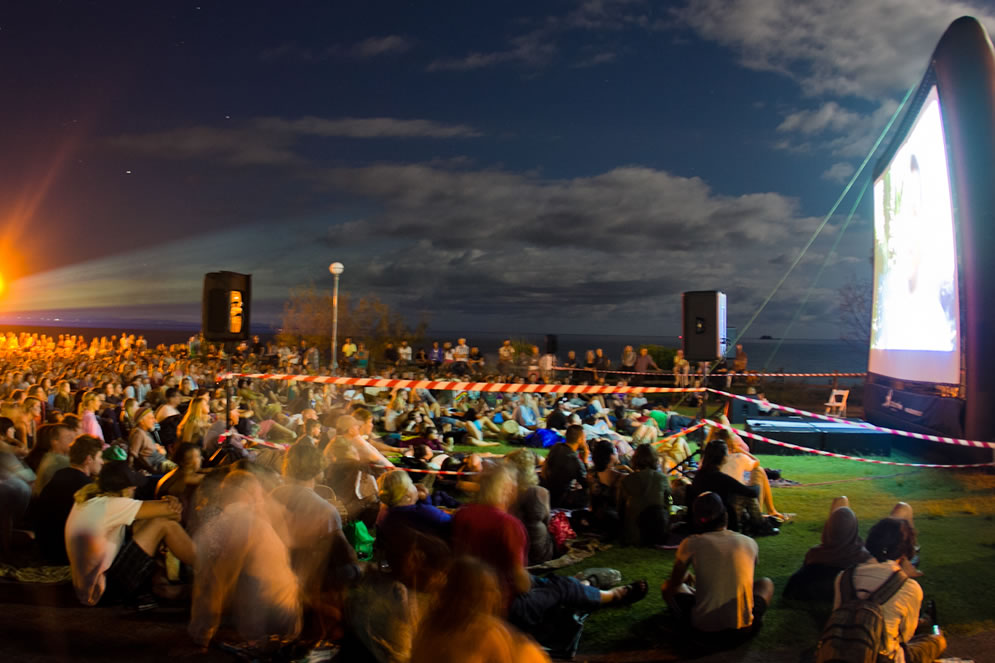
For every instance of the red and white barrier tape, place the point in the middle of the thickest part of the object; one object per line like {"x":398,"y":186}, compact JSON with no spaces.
{"x":464,"y":386}
{"x":820,"y":452}
{"x":584,"y":389}
{"x":714,"y":375}
{"x":690,"y":429}
{"x":862,"y":424}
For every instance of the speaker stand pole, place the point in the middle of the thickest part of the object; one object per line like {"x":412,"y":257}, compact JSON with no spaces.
{"x":702,"y":413}
{"x":229,"y":347}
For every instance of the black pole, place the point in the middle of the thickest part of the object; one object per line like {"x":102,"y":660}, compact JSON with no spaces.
{"x":228,"y":350}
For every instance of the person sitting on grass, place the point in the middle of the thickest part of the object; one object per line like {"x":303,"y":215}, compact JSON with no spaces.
{"x":734,"y":494}
{"x":406,"y":506}
{"x":106,"y":565}
{"x":465,"y":625}
{"x":365,"y":419}
{"x":526,"y":413}
{"x":52,"y":451}
{"x":907,"y":637}
{"x":51,"y":509}
{"x":349,"y":431}
{"x":564,"y":474}
{"x":644,"y":500}
{"x":531,"y":506}
{"x":181,"y":482}
{"x":840,"y":549}
{"x":488,"y":532}
{"x":475,"y":426}
{"x":243,"y":568}
{"x":317,"y":545}
{"x":743,"y":466}
{"x":724,"y":600}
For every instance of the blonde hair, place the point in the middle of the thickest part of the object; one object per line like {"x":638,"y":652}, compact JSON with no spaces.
{"x":88,"y":398}
{"x":394,"y":487}
{"x":495,"y":486}
{"x":195,"y":422}
{"x":523,"y":464}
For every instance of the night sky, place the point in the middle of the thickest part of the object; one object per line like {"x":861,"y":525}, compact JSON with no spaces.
{"x":509,"y":166}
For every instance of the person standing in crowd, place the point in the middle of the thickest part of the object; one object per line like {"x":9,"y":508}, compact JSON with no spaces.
{"x":461,"y":357}
{"x":628,"y":362}
{"x":348,"y":354}
{"x":682,"y":369}
{"x":506,"y":357}
{"x":644,"y":362}
{"x":404,"y":355}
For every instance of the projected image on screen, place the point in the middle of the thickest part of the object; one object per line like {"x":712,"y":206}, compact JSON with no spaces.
{"x":914,"y":328}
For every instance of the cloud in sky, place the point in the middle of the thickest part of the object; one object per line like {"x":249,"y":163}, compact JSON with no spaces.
{"x":377,"y":46}
{"x":367,"y":49}
{"x":270,"y":140}
{"x":842,"y":53}
{"x":870,"y":50}
{"x":539,"y":42}
{"x":533,"y":49}
{"x":499,"y":248}
{"x":366,"y":127}
{"x":839,"y":172}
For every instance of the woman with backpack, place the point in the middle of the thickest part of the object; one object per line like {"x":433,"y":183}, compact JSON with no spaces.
{"x":876,"y":609}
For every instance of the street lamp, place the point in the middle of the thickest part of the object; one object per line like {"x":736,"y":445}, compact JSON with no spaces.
{"x":336,"y":268}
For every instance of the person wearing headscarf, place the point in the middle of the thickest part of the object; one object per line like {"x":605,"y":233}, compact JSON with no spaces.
{"x":840,"y":549}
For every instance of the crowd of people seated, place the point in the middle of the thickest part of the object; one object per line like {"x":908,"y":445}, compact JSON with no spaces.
{"x":287,"y":513}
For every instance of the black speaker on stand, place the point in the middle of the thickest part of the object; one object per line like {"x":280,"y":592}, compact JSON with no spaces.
{"x":225,"y":312}
{"x":226,"y":306}
{"x":704,"y":328}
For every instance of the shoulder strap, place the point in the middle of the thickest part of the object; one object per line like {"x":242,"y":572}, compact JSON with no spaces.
{"x":847,"y":589}
{"x":890,"y":587}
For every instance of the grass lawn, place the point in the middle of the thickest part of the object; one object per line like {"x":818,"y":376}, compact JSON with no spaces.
{"x":955,"y":519}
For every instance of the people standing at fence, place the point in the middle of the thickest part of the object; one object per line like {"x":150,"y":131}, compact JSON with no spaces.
{"x":682,"y":368}
{"x":506,"y":357}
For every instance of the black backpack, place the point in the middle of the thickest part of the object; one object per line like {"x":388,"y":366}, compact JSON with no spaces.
{"x":855,"y":632}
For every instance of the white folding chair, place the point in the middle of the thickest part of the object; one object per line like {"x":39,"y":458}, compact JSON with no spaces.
{"x":836,"y":405}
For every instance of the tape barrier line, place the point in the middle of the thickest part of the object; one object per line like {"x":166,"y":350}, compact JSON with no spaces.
{"x":582,"y":389}
{"x":820,"y":452}
{"x":861,"y":424}
{"x":713,"y":375}
{"x":671,"y":438}
{"x":283,"y":447}
{"x":463,"y":386}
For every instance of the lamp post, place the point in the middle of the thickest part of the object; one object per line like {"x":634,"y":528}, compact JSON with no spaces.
{"x":336,"y":268}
